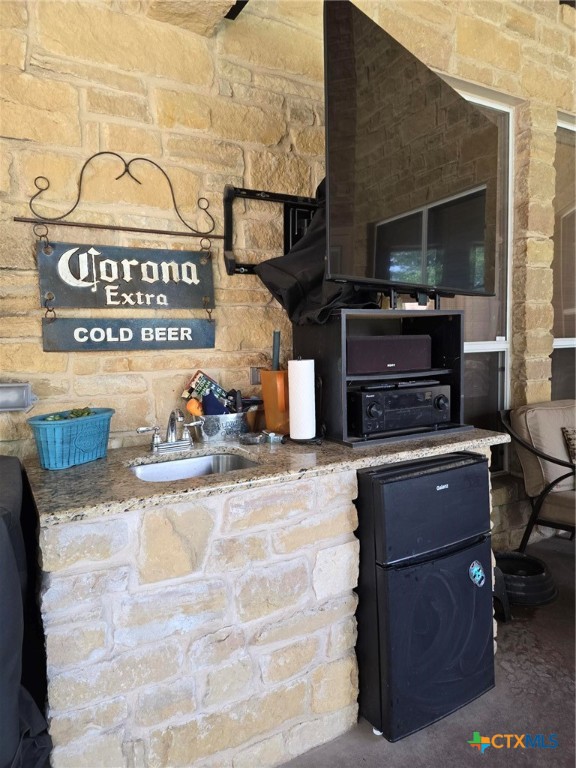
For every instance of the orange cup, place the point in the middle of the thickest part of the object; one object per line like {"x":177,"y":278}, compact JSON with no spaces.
{"x":275,"y":396}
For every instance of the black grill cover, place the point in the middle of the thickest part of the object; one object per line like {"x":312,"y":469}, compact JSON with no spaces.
{"x":24,"y":738}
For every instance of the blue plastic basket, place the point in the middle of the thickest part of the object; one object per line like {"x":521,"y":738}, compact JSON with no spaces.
{"x":68,"y":442}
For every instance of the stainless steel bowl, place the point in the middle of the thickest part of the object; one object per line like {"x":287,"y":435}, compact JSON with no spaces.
{"x":226,"y":427}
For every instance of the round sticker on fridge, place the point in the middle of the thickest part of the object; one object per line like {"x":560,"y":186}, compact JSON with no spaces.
{"x":476,"y":573}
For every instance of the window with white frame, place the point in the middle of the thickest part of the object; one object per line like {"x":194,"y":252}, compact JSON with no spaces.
{"x":564,"y":264}
{"x":487,"y":319}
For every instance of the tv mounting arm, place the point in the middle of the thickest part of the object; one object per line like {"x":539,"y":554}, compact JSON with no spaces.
{"x":421,"y":297}
{"x":298,"y":212}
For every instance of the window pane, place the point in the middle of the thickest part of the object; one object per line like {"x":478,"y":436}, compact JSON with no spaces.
{"x":563,"y":381}
{"x":455,"y":240}
{"x":564,"y":266}
{"x":483,"y":390}
{"x":485,"y":317}
{"x":399,"y":249}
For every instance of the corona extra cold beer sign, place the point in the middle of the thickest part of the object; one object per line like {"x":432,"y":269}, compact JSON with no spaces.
{"x":107,"y":277}
{"x":124,"y":278}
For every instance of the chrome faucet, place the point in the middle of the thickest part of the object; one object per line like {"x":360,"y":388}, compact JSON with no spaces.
{"x":172,"y":442}
{"x":176,"y":416}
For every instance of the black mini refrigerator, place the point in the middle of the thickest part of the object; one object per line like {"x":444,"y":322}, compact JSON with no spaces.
{"x":425,"y":645}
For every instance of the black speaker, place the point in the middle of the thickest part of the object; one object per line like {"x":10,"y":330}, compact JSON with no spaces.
{"x":387,"y":354}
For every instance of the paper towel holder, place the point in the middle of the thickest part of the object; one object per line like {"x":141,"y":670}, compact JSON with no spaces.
{"x":320,"y":428}
{"x":308,"y":417}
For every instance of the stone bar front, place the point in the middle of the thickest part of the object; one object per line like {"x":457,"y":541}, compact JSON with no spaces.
{"x":209,"y":623}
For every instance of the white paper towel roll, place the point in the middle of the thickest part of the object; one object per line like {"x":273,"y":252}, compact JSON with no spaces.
{"x":301,"y":396}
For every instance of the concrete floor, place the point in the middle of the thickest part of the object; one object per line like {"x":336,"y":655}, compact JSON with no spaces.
{"x":534,"y":694}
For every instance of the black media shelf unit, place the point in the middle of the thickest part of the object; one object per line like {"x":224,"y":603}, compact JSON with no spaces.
{"x":326,"y":345}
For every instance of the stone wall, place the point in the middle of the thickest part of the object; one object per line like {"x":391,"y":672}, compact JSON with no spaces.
{"x":510,"y":513}
{"x":215,"y":633}
{"x":237,"y":102}
{"x":242,"y":106}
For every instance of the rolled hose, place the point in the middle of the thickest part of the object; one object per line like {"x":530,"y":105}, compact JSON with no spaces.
{"x":527,"y":579}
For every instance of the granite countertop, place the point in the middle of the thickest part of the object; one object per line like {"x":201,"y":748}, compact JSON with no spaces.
{"x":108,"y":486}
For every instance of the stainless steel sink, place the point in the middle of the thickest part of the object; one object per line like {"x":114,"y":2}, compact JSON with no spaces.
{"x":182,"y":469}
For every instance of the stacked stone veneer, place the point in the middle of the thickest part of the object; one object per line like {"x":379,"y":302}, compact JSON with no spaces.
{"x":217,"y":102}
{"x":510,"y":513}
{"x":217,"y":632}
{"x":240,"y":104}
{"x":220,"y":102}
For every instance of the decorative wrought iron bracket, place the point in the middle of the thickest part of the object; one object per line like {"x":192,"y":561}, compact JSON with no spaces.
{"x":42,"y":184}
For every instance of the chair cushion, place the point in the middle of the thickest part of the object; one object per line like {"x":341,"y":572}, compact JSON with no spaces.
{"x":559,"y":508}
{"x":540,"y":424}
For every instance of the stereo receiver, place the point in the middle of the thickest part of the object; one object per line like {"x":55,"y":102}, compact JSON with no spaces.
{"x":397,"y":407}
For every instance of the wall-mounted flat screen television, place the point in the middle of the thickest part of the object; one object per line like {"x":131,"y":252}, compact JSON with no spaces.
{"x":411,"y":168}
